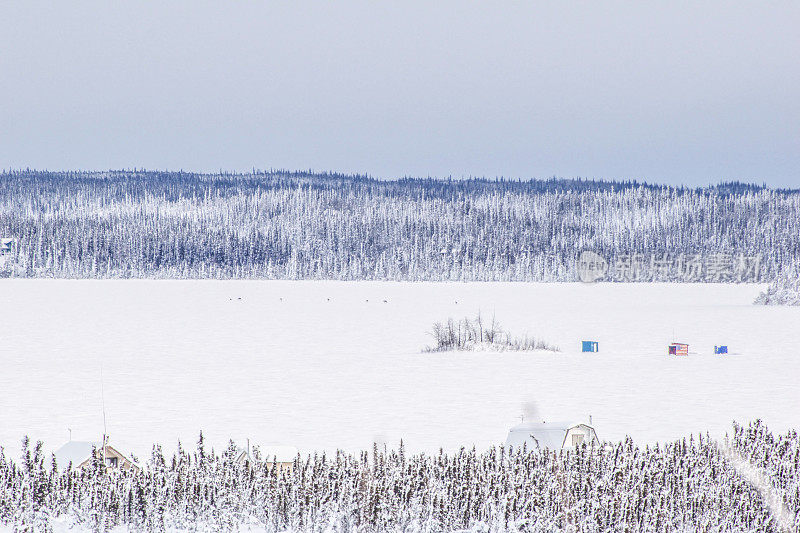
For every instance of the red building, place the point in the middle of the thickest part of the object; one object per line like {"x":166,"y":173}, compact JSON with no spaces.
{"x":678,"y":348}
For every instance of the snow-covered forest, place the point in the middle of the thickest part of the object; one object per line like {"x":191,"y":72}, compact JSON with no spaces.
{"x":282,"y":225}
{"x":749,"y":481}
{"x":785,"y":290}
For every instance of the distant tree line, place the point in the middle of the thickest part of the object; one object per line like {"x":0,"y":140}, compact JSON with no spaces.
{"x":284,"y":225}
{"x":749,"y":482}
{"x":785,"y":290}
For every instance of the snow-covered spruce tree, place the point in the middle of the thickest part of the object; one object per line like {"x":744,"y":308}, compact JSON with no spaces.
{"x":692,"y":484}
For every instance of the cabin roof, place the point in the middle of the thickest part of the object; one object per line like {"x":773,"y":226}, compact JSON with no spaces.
{"x":280,"y":454}
{"x":547,"y":434}
{"x":76,"y":452}
{"x":269,"y":454}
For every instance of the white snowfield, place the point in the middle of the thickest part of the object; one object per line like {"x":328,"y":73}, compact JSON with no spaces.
{"x":326,"y":365}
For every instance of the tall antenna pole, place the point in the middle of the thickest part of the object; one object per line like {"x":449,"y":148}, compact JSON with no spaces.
{"x":103,"y":404}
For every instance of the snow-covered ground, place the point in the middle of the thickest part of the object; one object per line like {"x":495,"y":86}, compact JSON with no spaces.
{"x":325,"y":365}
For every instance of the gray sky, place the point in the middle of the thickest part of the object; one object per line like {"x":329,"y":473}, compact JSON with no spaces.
{"x":675,"y":92}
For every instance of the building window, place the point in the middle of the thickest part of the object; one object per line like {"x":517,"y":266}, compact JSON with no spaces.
{"x":577,"y":440}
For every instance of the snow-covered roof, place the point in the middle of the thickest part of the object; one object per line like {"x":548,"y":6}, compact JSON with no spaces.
{"x":75,"y":452}
{"x":540,"y":434}
{"x":280,"y":454}
{"x":269,"y":454}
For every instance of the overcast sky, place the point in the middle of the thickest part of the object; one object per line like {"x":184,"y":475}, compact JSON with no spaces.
{"x":674,"y":92}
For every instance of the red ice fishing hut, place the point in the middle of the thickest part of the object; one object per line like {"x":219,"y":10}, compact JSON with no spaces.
{"x":678,"y":348}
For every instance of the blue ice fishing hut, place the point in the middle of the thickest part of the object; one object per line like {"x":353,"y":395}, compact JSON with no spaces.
{"x":590,"y":346}
{"x":720,"y":349}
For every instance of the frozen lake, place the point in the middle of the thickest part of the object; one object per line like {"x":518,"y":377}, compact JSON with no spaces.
{"x":324,"y":365}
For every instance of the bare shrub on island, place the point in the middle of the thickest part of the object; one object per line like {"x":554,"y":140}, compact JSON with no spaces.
{"x":477,"y":335}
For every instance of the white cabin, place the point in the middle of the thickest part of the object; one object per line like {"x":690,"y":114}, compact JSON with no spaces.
{"x":551,"y":435}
